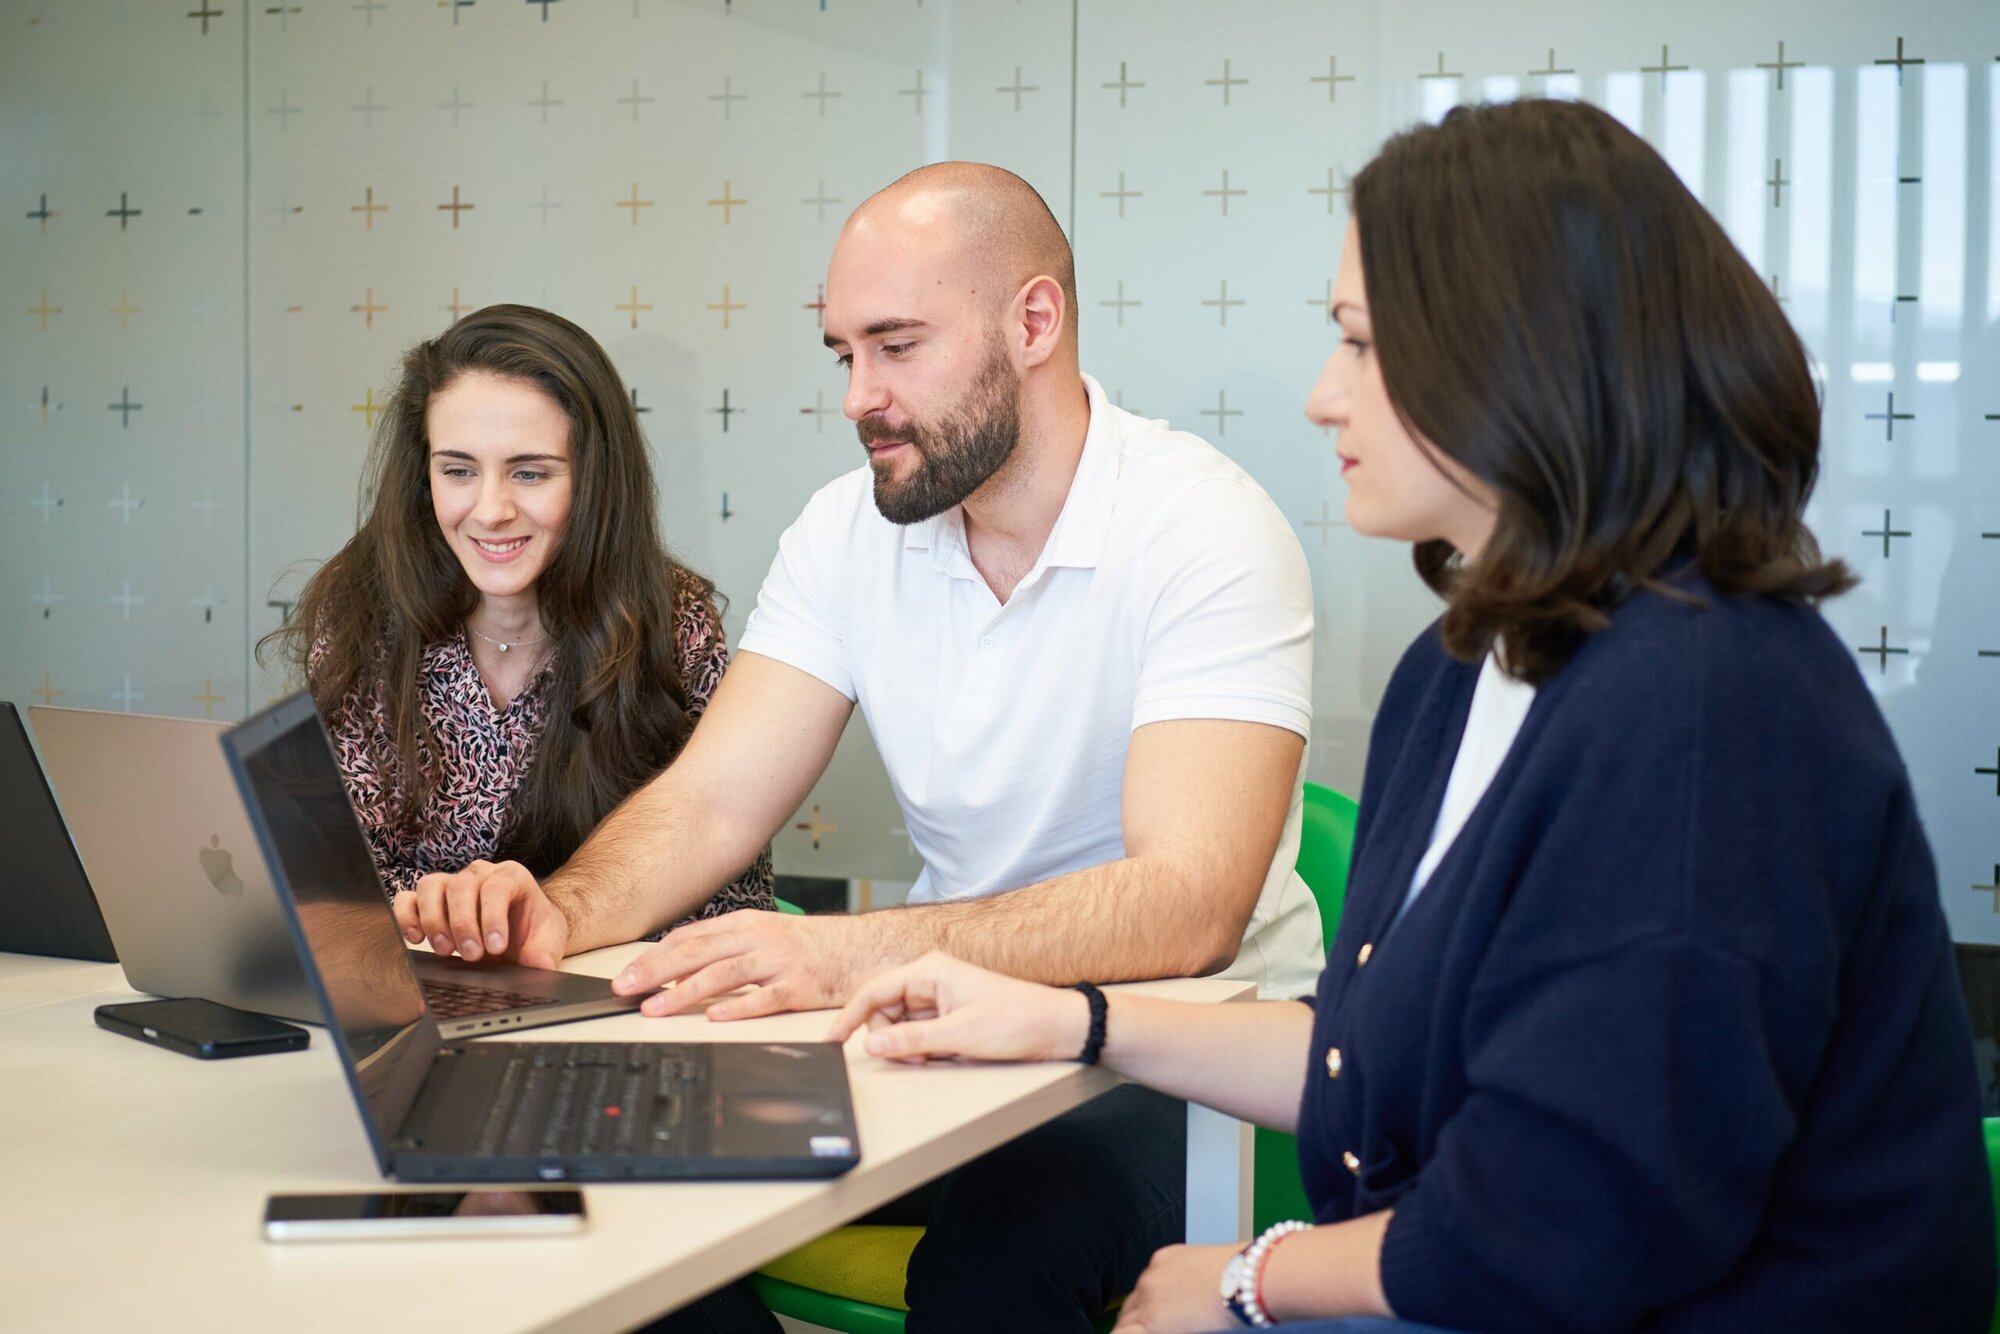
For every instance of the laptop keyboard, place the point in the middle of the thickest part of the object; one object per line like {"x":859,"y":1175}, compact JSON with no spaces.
{"x":450,"y":1000}
{"x":593,"y":1098}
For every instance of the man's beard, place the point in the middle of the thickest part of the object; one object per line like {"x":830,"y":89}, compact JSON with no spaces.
{"x":967,"y":445}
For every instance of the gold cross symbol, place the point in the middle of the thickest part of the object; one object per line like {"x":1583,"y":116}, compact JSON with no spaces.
{"x":726,"y":305}
{"x":816,"y":827}
{"x":125,"y":310}
{"x":726,"y":203}
{"x":368,"y":408}
{"x":634,"y":306}
{"x":455,"y":207}
{"x":634,"y":203}
{"x":208,"y":699}
{"x":368,"y":310}
{"x":48,"y":694}
{"x":45,"y":310}
{"x":457,"y":307}
{"x":369,"y":208}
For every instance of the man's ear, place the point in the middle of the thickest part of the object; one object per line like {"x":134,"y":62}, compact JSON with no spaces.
{"x":1043,"y":313}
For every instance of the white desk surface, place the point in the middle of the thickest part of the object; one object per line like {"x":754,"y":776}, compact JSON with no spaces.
{"x":135,"y":1178}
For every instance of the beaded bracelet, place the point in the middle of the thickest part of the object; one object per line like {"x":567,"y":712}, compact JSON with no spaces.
{"x":1255,"y":1259}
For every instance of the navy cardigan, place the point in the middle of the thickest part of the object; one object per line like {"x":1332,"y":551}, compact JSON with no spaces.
{"x":1672,"y":1039}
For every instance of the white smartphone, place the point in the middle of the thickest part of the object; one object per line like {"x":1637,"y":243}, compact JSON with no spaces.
{"x":373,"y":1216}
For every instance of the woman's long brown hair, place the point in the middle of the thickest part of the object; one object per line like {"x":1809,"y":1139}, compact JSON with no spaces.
{"x":1555,"y":311}
{"x":618,"y":708}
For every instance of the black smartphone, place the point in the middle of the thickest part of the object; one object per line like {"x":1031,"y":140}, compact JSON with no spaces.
{"x":201,"y":1028}
{"x":422,"y":1213}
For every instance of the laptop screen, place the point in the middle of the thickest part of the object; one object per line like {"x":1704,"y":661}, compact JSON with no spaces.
{"x":340,"y":916}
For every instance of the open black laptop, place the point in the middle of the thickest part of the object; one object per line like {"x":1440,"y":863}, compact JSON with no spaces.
{"x":506,"y":1111}
{"x":46,"y":906}
{"x":162,"y":834}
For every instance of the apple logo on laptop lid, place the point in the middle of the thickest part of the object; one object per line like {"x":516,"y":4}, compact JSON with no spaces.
{"x":219,"y":865}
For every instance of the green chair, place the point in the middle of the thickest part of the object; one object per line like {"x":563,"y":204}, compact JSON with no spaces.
{"x":852,"y":1278}
{"x":1325,"y":845}
{"x":1993,"y":1172}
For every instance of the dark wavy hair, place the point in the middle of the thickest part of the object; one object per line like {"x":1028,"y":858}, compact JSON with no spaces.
{"x":1554,"y":311}
{"x":618,"y":708}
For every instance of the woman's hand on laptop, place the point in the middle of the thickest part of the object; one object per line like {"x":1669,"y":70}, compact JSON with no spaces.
{"x":939,"y":1008}
{"x":488,"y":910}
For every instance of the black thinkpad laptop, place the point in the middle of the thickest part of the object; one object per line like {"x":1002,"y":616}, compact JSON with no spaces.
{"x":46,"y":906}
{"x":494,"y":1111}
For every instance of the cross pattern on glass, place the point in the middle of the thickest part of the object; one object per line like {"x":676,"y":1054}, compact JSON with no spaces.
{"x":823,"y":94}
{"x":1017,"y":88}
{"x":1883,"y":651}
{"x":1333,"y":78}
{"x":126,"y":599}
{"x":369,"y":106}
{"x":125,"y":407}
{"x":47,"y":692}
{"x":634,"y":203}
{"x":1122,"y":302}
{"x":368,"y":208}
{"x":818,"y":411}
{"x":455,"y":207}
{"x":727,"y":96}
{"x":1886,"y":532}
{"x":368,"y":407}
{"x":634,"y":306}
{"x":1222,"y":412}
{"x":816,"y":826}
{"x":125,"y":310}
{"x":727,"y":203}
{"x":822,"y":199}
{"x":544,"y":102}
{"x":1889,"y":417}
{"x":1121,"y":194}
{"x":1663,"y":69}
{"x":635,"y":101}
{"x":44,"y":213}
{"x":1124,"y":84}
{"x":1900,"y":61}
{"x":1223,"y":302}
{"x":124,"y":212}
{"x":368,"y":309}
{"x":1780,"y":65}
{"x":208,"y":699}
{"x":48,"y":597}
{"x":726,"y":306}
{"x":1225,"y":82}
{"x":44,"y":310}
{"x":284,"y":111}
{"x":1224,"y":192}
{"x":1330,"y":190}
{"x":919,"y":92}
{"x":1778,"y":182}
{"x":726,"y":411}
{"x":1549,"y":71}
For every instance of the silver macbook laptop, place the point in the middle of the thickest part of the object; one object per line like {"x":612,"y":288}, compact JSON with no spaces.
{"x":157,"y":820}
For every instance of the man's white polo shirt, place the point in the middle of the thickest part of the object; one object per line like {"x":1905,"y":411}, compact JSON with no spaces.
{"x":1170,"y":588}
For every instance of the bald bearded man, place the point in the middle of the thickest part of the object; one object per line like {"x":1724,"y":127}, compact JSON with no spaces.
{"x":1083,"y":645}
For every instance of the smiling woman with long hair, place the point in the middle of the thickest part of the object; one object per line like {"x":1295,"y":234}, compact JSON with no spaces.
{"x":505,"y":649}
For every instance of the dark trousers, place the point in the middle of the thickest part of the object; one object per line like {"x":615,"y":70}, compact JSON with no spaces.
{"x":1040,"y":1234}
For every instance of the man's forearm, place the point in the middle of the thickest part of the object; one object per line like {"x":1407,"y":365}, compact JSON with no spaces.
{"x":653,"y":861}
{"x":1123,"y":921}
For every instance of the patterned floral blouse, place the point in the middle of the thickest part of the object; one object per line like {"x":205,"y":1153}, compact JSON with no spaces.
{"x":487,"y":751}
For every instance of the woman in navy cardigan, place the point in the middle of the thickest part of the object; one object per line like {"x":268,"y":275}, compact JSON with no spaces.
{"x":1642,"y":1013}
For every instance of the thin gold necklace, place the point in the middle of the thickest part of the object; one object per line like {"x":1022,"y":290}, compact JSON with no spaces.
{"x":505,"y":645}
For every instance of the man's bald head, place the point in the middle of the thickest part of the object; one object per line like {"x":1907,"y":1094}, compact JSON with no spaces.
{"x":1001,"y":228}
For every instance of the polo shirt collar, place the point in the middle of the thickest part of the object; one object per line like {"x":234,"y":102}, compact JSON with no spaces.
{"x":1081,"y":529}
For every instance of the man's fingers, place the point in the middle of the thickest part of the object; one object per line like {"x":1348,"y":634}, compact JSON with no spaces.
{"x":674,"y":958}
{"x":752,"y":1004}
{"x":692,"y":990}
